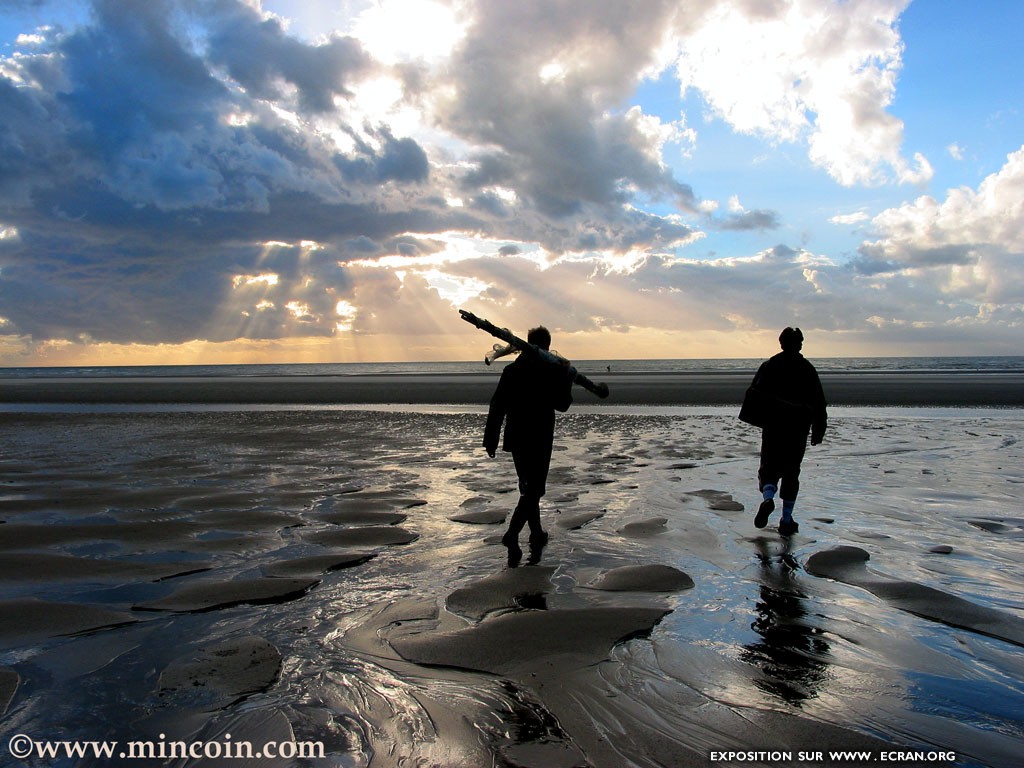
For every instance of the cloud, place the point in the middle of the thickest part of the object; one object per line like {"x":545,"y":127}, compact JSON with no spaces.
{"x":401,"y":160}
{"x":557,"y":140}
{"x":938,"y":271}
{"x":963,"y":255}
{"x":946,"y":232}
{"x":170,"y":144}
{"x":818,"y":71}
{"x":260,"y":57}
{"x":849,"y":218}
{"x":740,"y":219}
{"x":144,"y":168}
{"x":193,"y":170}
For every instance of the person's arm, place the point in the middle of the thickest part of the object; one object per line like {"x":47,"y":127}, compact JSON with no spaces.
{"x":819,"y":418}
{"x":562,"y":387}
{"x":758,"y":379}
{"x":496,"y":415}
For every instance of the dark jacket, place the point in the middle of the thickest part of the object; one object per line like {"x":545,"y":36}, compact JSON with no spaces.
{"x":790,"y":377}
{"x":529,"y":392}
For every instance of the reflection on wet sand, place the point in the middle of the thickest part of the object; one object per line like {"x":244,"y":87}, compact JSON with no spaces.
{"x":792,"y":652}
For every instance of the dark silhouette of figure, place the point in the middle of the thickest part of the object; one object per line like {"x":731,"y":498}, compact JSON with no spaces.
{"x":529,"y":392}
{"x":791,"y":384}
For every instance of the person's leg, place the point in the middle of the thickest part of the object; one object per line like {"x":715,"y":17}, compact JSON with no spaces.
{"x":533,"y":518}
{"x":532,"y":469}
{"x":518,"y":520}
{"x":789,"y":488}
{"x":768,"y":473}
{"x":537,"y":478}
{"x":791,"y":455}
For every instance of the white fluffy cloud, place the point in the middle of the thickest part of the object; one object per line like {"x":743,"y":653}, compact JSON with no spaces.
{"x":969,"y":246}
{"x":991,"y":216}
{"x":818,"y":71}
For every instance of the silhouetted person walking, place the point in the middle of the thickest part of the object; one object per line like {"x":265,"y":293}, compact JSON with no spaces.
{"x":797,"y":403}
{"x":529,"y":392}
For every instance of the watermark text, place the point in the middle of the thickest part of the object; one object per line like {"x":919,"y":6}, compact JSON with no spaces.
{"x":23,"y":747}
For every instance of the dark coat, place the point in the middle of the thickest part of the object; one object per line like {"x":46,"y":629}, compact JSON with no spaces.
{"x":793,"y":381}
{"x":529,"y":392}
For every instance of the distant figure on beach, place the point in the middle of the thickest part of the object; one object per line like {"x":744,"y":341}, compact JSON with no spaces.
{"x":790,"y":384}
{"x":529,"y":392}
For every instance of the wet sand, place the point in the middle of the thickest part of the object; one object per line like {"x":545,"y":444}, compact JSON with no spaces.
{"x":335,"y":576}
{"x":903,"y":388}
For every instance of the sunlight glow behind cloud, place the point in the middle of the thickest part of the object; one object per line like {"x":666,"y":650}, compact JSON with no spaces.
{"x":396,"y":31}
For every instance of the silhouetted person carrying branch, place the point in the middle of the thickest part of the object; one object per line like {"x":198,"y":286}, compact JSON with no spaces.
{"x":529,"y":392}
{"x":792,"y":390}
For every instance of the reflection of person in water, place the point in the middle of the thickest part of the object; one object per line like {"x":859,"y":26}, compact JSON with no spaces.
{"x":791,"y":651}
{"x":528,"y":394}
{"x":792,"y":383}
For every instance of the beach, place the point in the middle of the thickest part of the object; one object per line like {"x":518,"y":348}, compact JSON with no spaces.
{"x":865,"y":388}
{"x":312,"y":566}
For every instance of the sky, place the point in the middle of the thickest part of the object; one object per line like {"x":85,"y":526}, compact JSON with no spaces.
{"x":236,"y":181}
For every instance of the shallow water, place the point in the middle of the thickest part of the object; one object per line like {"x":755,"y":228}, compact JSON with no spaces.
{"x":758,"y":640}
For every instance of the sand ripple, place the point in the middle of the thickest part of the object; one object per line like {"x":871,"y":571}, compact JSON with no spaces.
{"x":370,"y":536}
{"x":502,"y":591}
{"x":847,"y":564}
{"x":545,"y":640}
{"x":217,"y":675}
{"x":9,"y":680}
{"x":312,"y":566}
{"x":29,"y":620}
{"x":208,"y":595}
{"x":643,"y":578}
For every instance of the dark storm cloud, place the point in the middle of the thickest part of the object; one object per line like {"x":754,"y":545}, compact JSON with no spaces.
{"x":400,"y":160}
{"x":29,"y":145}
{"x":559,"y":142}
{"x":874,"y":256}
{"x":61,"y":288}
{"x":129,"y":76}
{"x":748,"y":220}
{"x":261,"y":57}
{"x":136,"y":201}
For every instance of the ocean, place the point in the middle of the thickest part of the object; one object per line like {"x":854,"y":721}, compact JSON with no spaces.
{"x":989,"y":364}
